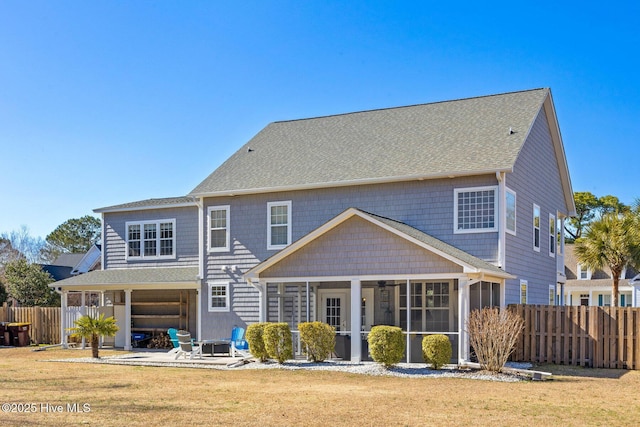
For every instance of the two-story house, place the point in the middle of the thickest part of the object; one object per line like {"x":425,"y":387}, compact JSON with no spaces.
{"x":408,"y":216}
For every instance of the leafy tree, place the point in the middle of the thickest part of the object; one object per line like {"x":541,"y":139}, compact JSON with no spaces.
{"x":588,"y":209}
{"x":27,"y":283}
{"x":3,"y":292}
{"x":93,"y":328}
{"x":75,"y":235}
{"x":612,"y":241}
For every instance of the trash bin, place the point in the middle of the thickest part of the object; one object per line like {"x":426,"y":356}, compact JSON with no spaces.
{"x":4,"y":334}
{"x":19,"y":334}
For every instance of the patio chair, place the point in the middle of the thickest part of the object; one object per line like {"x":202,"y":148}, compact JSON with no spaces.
{"x":173,"y":336}
{"x":237,"y":343}
{"x":187,"y":346}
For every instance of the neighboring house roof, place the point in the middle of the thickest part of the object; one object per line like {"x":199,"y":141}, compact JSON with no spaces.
{"x":470,"y":263}
{"x":129,"y":276}
{"x":89,"y":261}
{"x":58,"y":272}
{"x":164,"y":203}
{"x":68,"y":259}
{"x":444,"y":139}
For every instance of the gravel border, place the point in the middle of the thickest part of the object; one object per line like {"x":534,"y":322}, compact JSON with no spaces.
{"x":403,"y":370}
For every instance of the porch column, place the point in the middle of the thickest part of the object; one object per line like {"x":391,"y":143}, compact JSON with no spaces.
{"x":63,"y":319}
{"x":463,"y":310}
{"x":356,"y":320}
{"x":83,"y":311}
{"x":308,"y":301}
{"x":127,"y":319}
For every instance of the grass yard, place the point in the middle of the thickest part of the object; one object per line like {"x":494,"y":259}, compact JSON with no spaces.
{"x":135,"y":395}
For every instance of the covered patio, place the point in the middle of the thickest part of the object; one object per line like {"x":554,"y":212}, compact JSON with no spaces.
{"x":360,"y":270}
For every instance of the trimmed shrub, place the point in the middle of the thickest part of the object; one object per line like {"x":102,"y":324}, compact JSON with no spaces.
{"x":436,"y":350}
{"x":254,"y":336}
{"x":318,"y":340}
{"x":493,"y":335}
{"x":386,"y":344}
{"x":277,"y":341}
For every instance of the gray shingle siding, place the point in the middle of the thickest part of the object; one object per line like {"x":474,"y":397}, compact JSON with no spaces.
{"x":426,"y":205}
{"x":535,"y":180}
{"x":186,"y":234}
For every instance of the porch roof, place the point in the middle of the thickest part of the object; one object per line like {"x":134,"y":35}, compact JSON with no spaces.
{"x":130,"y":277}
{"x":469,"y":263}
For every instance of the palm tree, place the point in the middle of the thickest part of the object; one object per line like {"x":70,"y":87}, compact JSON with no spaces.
{"x":93,"y":328}
{"x":612,"y":241}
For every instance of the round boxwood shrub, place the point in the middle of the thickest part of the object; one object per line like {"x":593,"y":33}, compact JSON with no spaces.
{"x":318,"y":340}
{"x":386,"y":344}
{"x":436,"y":350}
{"x":254,"y":336}
{"x":277,"y":341}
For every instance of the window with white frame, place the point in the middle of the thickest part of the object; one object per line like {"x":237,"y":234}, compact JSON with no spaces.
{"x":475,"y":209}
{"x":523,"y":292}
{"x":552,"y":295}
{"x":536,"y":228}
{"x":151,"y":239}
{"x":219,"y":219}
{"x":584,"y":273}
{"x":552,"y":235}
{"x":279,"y":224}
{"x":219,"y":297}
{"x":510,"y":203}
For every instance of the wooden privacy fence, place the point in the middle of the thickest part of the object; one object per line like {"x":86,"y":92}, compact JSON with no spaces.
{"x":598,"y":337}
{"x":45,"y":322}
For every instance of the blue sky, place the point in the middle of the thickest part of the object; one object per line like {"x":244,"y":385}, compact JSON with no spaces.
{"x":106,"y":102}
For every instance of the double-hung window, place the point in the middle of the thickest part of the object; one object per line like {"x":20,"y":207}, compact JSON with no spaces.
{"x":219,"y":297}
{"x":510,"y":203}
{"x":475,"y":210}
{"x":552,"y":235}
{"x":523,"y":291}
{"x":218,"y":218}
{"x":151,"y":239}
{"x":536,"y":228}
{"x":278,"y":224}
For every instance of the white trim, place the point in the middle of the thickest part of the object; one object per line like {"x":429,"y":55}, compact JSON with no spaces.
{"x":515,"y":211}
{"x":286,"y":203}
{"x":146,"y":207}
{"x":157,"y":223}
{"x":227,"y":246}
{"x":533,"y":222}
{"x":553,"y":236}
{"x":227,"y":289}
{"x":496,"y":218}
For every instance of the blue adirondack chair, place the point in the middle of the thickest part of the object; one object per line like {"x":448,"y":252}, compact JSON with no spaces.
{"x":237,"y":343}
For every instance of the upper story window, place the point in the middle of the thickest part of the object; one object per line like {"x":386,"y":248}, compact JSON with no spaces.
{"x":552,"y":235}
{"x":510,"y":203}
{"x":279,"y":224}
{"x":219,"y":219}
{"x":536,"y":228}
{"x":151,"y":239}
{"x":475,"y":210}
{"x":583,"y":273}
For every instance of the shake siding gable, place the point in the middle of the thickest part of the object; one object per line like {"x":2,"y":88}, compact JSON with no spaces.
{"x":536,"y":180}
{"x":186,"y":237}
{"x":361,"y":248}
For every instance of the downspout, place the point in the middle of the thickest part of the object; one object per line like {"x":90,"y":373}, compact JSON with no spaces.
{"x":502,"y":219}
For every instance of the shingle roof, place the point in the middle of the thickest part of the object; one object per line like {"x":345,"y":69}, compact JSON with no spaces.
{"x":128,"y":276}
{"x":167,"y":202}
{"x":461,"y":137}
